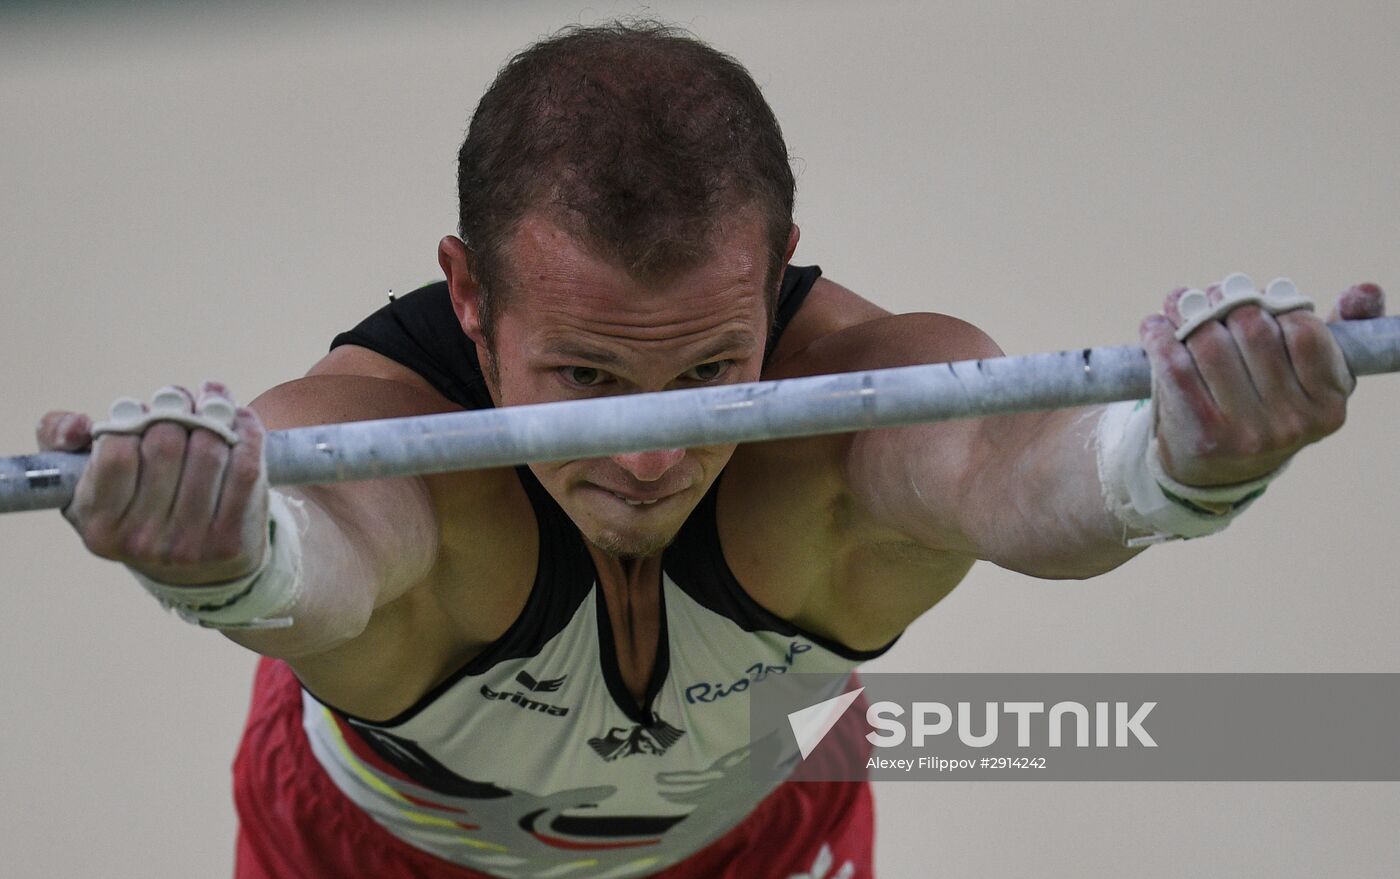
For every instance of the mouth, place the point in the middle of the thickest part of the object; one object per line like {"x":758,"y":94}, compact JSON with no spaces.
{"x":635,"y":501}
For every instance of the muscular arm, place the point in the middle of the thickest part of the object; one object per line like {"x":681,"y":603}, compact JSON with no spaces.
{"x":183,"y":508}
{"x":1231,"y":403}
{"x":366,"y":542}
{"x":1021,"y":491}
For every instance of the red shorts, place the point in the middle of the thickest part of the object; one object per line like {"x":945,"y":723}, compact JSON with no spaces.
{"x":294,"y":823}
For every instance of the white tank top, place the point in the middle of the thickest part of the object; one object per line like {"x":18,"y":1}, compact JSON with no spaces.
{"x":534,"y":760}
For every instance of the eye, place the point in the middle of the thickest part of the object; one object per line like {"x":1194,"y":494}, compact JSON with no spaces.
{"x":708,"y":372}
{"x":583,"y":376}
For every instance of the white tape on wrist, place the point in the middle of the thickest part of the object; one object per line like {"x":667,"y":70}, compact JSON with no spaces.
{"x":259,"y":600}
{"x":1143,"y":497}
{"x":1236,"y":495}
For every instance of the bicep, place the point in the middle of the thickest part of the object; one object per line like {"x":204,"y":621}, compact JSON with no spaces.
{"x":916,"y":479}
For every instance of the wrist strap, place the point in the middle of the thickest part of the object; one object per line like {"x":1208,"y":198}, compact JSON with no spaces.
{"x":261,"y":599}
{"x":1210,"y":500}
{"x":1143,"y":497}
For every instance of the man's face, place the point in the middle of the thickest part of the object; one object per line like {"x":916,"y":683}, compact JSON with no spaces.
{"x":575,"y":326}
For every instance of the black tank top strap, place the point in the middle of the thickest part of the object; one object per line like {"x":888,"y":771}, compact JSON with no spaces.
{"x":695,"y":561}
{"x":797,"y":283}
{"x":419,"y":330}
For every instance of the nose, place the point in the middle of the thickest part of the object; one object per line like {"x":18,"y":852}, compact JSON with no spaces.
{"x":649,"y":466}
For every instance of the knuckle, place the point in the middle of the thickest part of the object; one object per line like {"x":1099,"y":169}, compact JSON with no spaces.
{"x":1154,"y":342}
{"x":225,"y":547}
{"x":1290,"y":431}
{"x":1250,"y":443}
{"x":101,"y":542}
{"x":1205,"y":446}
{"x":251,"y":430}
{"x":244,"y":471}
{"x":142,"y":546}
{"x":79,"y":511}
{"x":1299,"y":430}
{"x":1338,"y":418}
{"x":1330,"y":418}
{"x":186,"y":551}
{"x":114,"y":454}
{"x":1252,"y":326}
{"x":163,"y":442}
{"x":1180,"y":365}
{"x":1209,"y":438}
{"x":252,"y":445}
{"x":1310,"y":337}
{"x":1211,"y":339}
{"x":204,"y":452}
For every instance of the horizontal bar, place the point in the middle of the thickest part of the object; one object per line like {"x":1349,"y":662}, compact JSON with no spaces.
{"x":703,"y":416}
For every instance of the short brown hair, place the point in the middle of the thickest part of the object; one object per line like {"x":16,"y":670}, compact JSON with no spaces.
{"x":637,"y":136}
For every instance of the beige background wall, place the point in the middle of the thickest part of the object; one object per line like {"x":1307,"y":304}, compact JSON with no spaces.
{"x":190,"y":192}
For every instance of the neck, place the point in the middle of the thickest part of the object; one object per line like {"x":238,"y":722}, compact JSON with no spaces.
{"x":630,"y":572}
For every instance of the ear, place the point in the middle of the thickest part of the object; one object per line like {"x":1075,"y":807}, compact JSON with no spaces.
{"x":795,"y":234}
{"x":455,"y":260}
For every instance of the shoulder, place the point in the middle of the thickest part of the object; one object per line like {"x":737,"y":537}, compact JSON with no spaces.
{"x":415,"y":339}
{"x":838,"y":330}
{"x":354,"y":362}
{"x":827,"y":308}
{"x":325,"y":397}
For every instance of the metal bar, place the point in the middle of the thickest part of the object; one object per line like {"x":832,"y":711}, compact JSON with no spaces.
{"x":704,"y":416}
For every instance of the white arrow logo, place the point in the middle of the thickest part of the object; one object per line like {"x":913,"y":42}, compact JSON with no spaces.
{"x":810,"y":725}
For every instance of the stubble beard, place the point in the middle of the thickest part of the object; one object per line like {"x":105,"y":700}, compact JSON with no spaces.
{"x":629,"y":547}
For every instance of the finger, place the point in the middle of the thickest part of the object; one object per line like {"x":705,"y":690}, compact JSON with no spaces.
{"x":1171,"y":306}
{"x":243,"y":497}
{"x":1173,"y":366}
{"x":1361,"y":302}
{"x":1259,"y":339}
{"x":197,"y":496}
{"x":105,"y":491}
{"x":215,"y":402}
{"x":1318,"y":362}
{"x":162,"y":450}
{"x":210,"y":388}
{"x":1222,"y":366}
{"x":206,"y":457}
{"x":63,"y":432}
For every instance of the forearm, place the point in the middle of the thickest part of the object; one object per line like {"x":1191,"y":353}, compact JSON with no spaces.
{"x":363,"y":543}
{"x":349,"y":567}
{"x":1033,"y":500}
{"x":332,"y":592}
